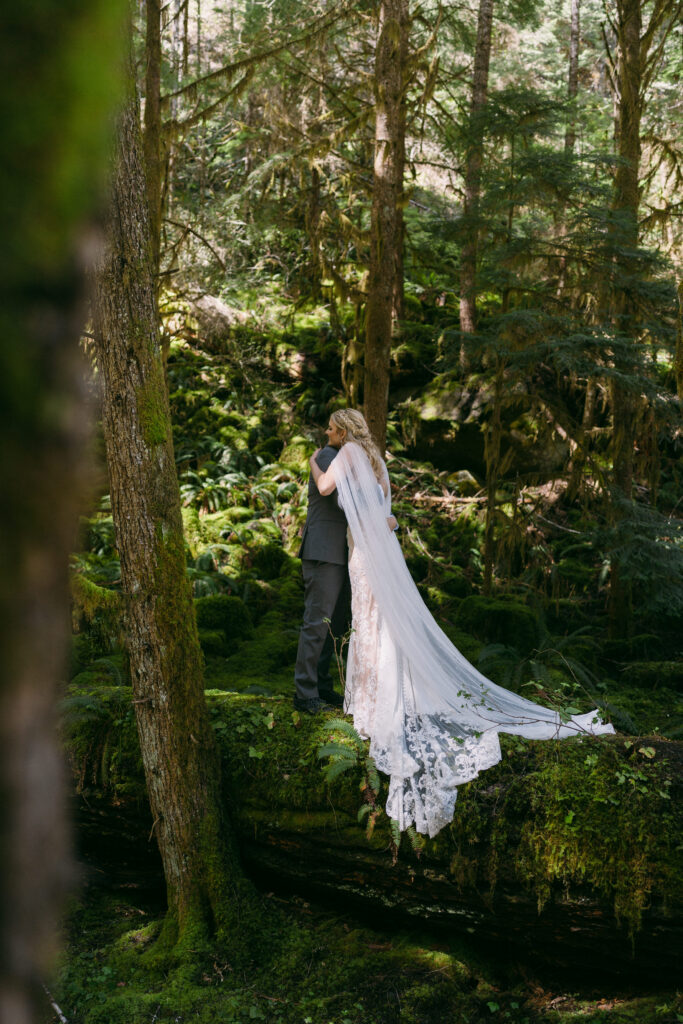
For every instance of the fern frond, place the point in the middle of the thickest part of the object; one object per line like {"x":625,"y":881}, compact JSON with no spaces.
{"x":336,"y":750}
{"x":395,"y":832}
{"x":416,"y":840}
{"x":337,"y":768}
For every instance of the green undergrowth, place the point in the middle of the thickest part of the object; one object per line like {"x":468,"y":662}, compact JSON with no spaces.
{"x":325,"y":970}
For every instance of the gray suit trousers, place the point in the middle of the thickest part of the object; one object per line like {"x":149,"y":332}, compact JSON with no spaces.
{"x":326,"y":595}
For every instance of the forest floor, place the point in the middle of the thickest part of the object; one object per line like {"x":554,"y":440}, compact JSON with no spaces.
{"x":328,"y":969}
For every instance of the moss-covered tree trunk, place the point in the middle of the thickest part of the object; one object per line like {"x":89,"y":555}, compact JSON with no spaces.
{"x":178,"y":749}
{"x":386,"y":228}
{"x":623,"y":304}
{"x":473,"y":162}
{"x":60,"y":79}
{"x":679,"y":344}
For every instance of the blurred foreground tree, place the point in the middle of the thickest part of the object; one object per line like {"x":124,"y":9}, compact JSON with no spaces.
{"x":60,"y":81}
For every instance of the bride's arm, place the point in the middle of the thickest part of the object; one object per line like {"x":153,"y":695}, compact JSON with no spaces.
{"x":324,"y":481}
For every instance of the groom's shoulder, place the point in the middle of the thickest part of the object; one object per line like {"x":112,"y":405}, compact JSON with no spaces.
{"x":326,"y":455}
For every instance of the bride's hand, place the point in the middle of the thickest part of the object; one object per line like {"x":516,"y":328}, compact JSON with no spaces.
{"x":392,"y":523}
{"x":314,"y":456}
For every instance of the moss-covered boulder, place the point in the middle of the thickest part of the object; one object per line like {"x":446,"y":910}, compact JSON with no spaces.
{"x":499,"y":620}
{"x":222,"y":615}
{"x":656,"y":673}
{"x":296,"y":454}
{"x":268,"y":560}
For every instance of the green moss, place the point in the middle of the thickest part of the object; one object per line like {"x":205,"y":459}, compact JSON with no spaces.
{"x":90,"y":599}
{"x":212,"y":642}
{"x":316,"y":968}
{"x":226,"y":613}
{"x":296,"y":455}
{"x":152,"y":408}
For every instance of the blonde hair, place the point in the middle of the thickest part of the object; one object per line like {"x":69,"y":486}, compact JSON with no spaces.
{"x":353,"y":422}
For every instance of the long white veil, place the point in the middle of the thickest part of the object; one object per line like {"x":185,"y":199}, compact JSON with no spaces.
{"x":440,"y":717}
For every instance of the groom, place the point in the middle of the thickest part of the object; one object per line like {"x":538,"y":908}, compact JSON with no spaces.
{"x":324,"y":558}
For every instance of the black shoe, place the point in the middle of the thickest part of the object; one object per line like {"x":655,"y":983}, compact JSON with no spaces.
{"x":332,"y":697}
{"x":311,"y":706}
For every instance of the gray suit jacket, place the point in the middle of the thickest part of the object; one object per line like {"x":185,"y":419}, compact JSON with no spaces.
{"x":324,"y":536}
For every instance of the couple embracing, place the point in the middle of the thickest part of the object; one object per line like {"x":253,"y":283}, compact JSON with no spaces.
{"x":433,"y":720}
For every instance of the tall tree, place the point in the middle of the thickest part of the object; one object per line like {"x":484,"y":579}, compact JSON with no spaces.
{"x":573,"y":76}
{"x":182,"y":771}
{"x":59,"y":84}
{"x":638,"y":55}
{"x":473,"y":164}
{"x":386,"y":226}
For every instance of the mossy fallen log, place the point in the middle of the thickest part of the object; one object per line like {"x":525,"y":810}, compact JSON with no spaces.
{"x":568,"y":854}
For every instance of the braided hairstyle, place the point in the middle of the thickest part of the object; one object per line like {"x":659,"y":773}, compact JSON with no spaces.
{"x":353,"y":422}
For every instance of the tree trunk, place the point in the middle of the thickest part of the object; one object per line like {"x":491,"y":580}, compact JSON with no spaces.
{"x":59,"y":73}
{"x":492,"y":454}
{"x":570,"y":133}
{"x":386,"y":225}
{"x":154,"y":161}
{"x":678,"y":362}
{"x":176,"y":740}
{"x":312,"y":214}
{"x":473,"y":162}
{"x":623,"y":308}
{"x":573,"y":78}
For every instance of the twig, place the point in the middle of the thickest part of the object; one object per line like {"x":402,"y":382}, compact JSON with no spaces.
{"x":188,"y":230}
{"x":54,"y":1006}
{"x":557,"y":526}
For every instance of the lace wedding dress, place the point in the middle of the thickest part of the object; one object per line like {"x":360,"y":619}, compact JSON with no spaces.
{"x":432,"y":719}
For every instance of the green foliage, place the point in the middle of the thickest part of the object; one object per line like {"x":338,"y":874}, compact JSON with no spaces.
{"x":224,"y":613}
{"x":507,"y":621}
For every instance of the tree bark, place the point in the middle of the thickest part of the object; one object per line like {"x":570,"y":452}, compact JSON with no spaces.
{"x":386,"y":224}
{"x":178,"y":749}
{"x":473,"y":164}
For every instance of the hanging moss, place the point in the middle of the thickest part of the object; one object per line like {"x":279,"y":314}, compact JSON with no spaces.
{"x":90,"y":599}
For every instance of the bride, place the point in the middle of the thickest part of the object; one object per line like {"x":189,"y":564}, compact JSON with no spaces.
{"x":432,"y":719}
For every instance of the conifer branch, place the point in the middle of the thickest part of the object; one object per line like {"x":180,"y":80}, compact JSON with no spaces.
{"x":611,"y":65}
{"x":662,"y":9}
{"x":228,"y":71}
{"x":652,"y":61}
